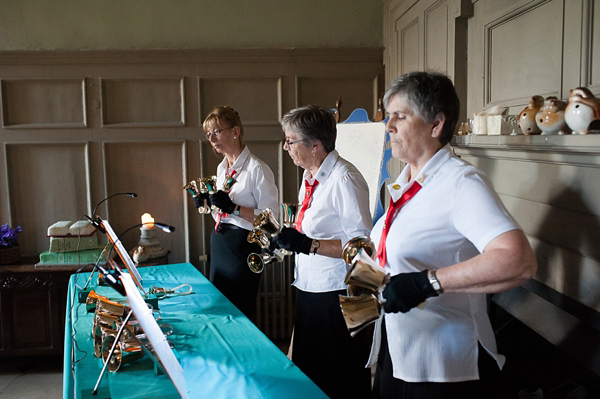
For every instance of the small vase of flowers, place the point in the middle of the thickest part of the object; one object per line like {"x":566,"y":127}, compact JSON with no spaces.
{"x":9,"y":244}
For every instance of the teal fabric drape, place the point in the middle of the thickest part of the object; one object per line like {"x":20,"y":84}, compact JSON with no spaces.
{"x":223,"y":355}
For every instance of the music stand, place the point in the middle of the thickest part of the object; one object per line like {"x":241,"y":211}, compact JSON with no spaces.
{"x":163,"y":355}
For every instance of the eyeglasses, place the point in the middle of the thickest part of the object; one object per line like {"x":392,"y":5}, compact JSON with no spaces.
{"x":291,"y":142}
{"x":216,"y":133}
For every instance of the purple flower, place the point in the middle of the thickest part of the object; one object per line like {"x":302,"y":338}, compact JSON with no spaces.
{"x":9,"y":237}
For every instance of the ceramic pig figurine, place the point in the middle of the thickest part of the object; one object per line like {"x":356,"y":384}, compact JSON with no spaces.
{"x":582,"y":110}
{"x":551,"y":117}
{"x":526,"y":118}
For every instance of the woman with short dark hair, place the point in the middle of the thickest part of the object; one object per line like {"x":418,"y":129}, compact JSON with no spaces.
{"x":446,"y":240}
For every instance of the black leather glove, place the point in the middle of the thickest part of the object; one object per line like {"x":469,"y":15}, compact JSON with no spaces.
{"x":221,"y":200}
{"x":292,"y":240}
{"x":407,"y":290}
{"x":200,"y":198}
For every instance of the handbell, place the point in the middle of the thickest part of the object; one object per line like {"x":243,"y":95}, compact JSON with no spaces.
{"x":266,"y":222}
{"x":228,"y":183}
{"x":359,"y":311}
{"x":126,"y":351}
{"x":257,"y":262}
{"x":260,"y":238}
{"x":356,"y":244}
{"x":192,"y":188}
{"x":289,"y":211}
{"x":363,"y":274}
{"x":206,"y":185}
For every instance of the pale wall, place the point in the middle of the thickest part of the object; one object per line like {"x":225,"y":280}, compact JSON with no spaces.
{"x":189,"y":24}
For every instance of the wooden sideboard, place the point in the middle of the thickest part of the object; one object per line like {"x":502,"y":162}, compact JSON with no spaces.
{"x":33,"y":305}
{"x":32,"y":308}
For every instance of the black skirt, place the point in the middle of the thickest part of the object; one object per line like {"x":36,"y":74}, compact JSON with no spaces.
{"x":229,"y":271}
{"x":324,"y":350}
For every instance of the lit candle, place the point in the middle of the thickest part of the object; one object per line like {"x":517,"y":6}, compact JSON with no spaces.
{"x":148,"y":221}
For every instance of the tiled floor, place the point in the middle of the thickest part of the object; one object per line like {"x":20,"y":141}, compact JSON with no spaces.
{"x":31,"y":378}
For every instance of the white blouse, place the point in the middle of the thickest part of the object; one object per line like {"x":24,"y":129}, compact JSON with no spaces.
{"x":451,"y":219}
{"x":339,"y":209}
{"x":255,"y":187}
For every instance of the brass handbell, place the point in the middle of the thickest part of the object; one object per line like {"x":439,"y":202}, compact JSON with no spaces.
{"x":206,"y":185}
{"x":126,"y":351}
{"x":257,"y":262}
{"x":260,"y":238}
{"x":192,"y":188}
{"x":359,"y":311}
{"x":364,"y":274}
{"x":365,"y":282}
{"x":289,"y":211}
{"x":265,"y":228}
{"x":266,"y":222}
{"x":356,"y":244}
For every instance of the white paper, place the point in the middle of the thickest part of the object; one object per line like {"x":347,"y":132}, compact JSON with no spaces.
{"x":363,"y":144}
{"x":155,"y":335}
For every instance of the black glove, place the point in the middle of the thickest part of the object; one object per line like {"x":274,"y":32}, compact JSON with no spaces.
{"x":221,"y":200}
{"x":292,"y":240}
{"x":200,"y":198}
{"x":407,"y":290}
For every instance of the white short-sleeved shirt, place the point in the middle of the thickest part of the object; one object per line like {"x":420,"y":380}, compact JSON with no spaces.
{"x":339,"y":210}
{"x":451,"y":219}
{"x":255,"y":187}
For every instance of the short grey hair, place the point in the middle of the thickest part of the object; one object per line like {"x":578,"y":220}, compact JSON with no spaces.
{"x":313,"y":123}
{"x":430,"y":93}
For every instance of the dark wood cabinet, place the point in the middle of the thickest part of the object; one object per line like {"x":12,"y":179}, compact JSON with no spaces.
{"x":32,"y":308}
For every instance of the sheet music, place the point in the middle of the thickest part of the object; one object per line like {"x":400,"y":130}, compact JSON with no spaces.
{"x":154,"y":334}
{"x":363,"y":144}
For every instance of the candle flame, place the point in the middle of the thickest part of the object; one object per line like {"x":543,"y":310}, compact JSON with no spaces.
{"x":147,"y":220}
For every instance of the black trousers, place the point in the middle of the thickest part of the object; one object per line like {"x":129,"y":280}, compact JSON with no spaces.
{"x":386,"y":386}
{"x":229,"y":271}
{"x":324,"y":350}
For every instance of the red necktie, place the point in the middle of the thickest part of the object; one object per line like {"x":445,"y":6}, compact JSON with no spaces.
{"x":389,"y":217}
{"x":310,"y":189}
{"x":219,"y":215}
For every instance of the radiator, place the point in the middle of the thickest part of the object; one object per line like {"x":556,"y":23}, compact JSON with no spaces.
{"x":277,"y":300}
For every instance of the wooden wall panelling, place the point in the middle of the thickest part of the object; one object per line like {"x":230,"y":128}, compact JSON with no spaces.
{"x":552,"y":194}
{"x":514,"y":55}
{"x":147,"y":102}
{"x":426,"y":35}
{"x":43,"y":103}
{"x":507,"y":63}
{"x":256,"y":99}
{"x":36,"y":172}
{"x":153,"y":96}
{"x":154,"y":170}
{"x":409,"y":51}
{"x":591,"y":40}
{"x":356,"y":91}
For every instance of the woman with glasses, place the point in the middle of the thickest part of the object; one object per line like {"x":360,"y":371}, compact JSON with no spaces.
{"x":253,"y":191}
{"x":333,"y":208}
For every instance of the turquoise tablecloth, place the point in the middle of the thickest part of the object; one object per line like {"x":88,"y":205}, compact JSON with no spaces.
{"x":223,"y":355}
